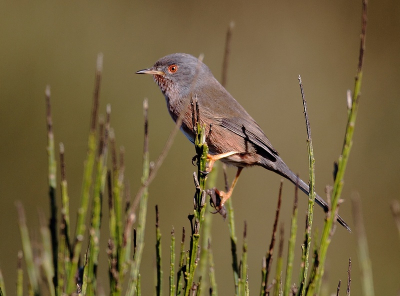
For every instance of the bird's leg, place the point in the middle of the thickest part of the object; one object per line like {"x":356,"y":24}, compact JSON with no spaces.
{"x":213,"y":158}
{"x":226,"y":195}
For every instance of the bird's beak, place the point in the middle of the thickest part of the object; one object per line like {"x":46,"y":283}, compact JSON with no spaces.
{"x":151,"y":71}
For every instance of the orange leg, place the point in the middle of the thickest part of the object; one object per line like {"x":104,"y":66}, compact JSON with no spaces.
{"x":226,"y":195}
{"x":213,"y":158}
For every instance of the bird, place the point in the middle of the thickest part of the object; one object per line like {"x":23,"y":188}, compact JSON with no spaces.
{"x":232,"y":135}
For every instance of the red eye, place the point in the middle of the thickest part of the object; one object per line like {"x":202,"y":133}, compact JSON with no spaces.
{"x":172,"y":68}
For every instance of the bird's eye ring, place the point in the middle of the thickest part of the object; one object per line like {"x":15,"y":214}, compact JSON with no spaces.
{"x":172,"y":68}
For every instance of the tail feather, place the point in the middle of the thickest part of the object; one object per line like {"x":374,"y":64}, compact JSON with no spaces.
{"x":288,"y":174}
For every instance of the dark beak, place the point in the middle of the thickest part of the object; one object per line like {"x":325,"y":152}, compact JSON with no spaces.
{"x":151,"y":71}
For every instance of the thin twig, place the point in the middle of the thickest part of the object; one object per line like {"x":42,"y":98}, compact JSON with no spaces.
{"x":52,"y":186}
{"x":292,"y":242}
{"x":338,"y":288}
{"x":279,"y":262}
{"x":227,"y":54}
{"x":268,"y":258}
{"x":172,"y":265}
{"x":348,"y":278}
{"x":158,"y":254}
{"x":311,"y":199}
{"x":182,"y":267}
{"x":20,"y":276}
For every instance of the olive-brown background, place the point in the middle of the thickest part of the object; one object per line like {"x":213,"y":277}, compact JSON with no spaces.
{"x":56,"y":43}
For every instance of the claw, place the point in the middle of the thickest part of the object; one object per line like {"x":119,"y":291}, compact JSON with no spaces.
{"x":194,"y":158}
{"x":215,"y":201}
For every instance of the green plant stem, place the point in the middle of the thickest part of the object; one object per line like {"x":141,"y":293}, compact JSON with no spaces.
{"x":343,"y":159}
{"x":279,"y":263}
{"x":20,"y":277}
{"x":233,"y":239}
{"x":134,"y":272}
{"x":311,"y":198}
{"x":81,"y":227}
{"x":62,"y":255}
{"x":198,"y":292}
{"x":243,"y":284}
{"x":52,"y":191}
{"x":119,"y":232}
{"x":118,"y":188}
{"x":112,"y":252}
{"x":65,"y":207}
{"x":267,"y":260}
{"x":201,"y":151}
{"x":172,"y":265}
{"x":138,"y":285}
{"x":206,"y":229}
{"x":291,"y":246}
{"x":181,"y":265}
{"x":158,"y":256}
{"x":33,"y":273}
{"x":101,"y":173}
{"x":47,"y":257}
{"x":87,"y":180}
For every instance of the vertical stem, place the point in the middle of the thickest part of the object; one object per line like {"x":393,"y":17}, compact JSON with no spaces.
{"x":47,"y":258}
{"x":98,"y":193}
{"x":63,"y":253}
{"x":134,"y":273}
{"x":33,"y":273}
{"x":267,"y":262}
{"x":292,"y":243}
{"x":181,"y":265}
{"x":311,"y":198}
{"x":87,"y":180}
{"x":158,"y":255}
{"x":279,"y":262}
{"x":233,"y":240}
{"x":172,"y":265}
{"x":206,"y":229}
{"x":243,"y":284}
{"x":202,"y":152}
{"x":343,"y":159}
{"x":20,"y":276}
{"x":52,"y":187}
{"x":348,"y":278}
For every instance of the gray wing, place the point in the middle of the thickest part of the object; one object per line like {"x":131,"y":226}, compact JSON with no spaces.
{"x":248,"y":130}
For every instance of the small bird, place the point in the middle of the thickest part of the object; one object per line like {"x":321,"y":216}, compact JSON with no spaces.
{"x":232,"y":135}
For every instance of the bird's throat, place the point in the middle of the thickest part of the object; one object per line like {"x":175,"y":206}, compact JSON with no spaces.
{"x":163,"y":83}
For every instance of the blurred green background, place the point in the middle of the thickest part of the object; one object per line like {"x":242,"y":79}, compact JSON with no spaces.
{"x":56,"y":43}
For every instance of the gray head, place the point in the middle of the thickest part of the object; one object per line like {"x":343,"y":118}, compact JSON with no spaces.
{"x":175,"y":73}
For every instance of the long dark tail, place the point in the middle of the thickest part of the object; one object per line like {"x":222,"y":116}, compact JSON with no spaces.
{"x":284,"y":171}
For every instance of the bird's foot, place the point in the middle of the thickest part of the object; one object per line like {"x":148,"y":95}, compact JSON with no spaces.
{"x":217,"y":200}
